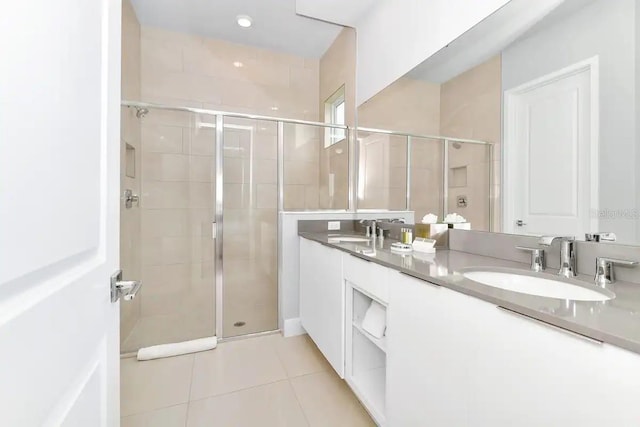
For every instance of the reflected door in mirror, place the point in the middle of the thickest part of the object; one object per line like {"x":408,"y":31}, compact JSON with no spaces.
{"x":551,"y":179}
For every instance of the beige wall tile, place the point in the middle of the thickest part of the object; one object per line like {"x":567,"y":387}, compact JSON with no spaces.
{"x":265,"y":171}
{"x":165,"y":222}
{"x":201,"y":168}
{"x":407,"y":105}
{"x":201,"y":195}
{"x":267,"y":196}
{"x":301,"y":173}
{"x":164,"y":195}
{"x":199,"y":141}
{"x":294,"y":196}
{"x":165,"y":167}
{"x":161,"y":138}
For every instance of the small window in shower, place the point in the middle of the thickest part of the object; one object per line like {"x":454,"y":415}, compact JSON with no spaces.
{"x":130,"y":161}
{"x":335,"y":114}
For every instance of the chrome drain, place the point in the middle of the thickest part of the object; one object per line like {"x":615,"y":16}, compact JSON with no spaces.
{"x":239,"y":324}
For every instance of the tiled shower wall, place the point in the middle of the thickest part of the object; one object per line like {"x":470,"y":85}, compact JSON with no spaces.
{"x":181,"y":69}
{"x":177,"y":166}
{"x":471,"y":107}
{"x":130,"y":218}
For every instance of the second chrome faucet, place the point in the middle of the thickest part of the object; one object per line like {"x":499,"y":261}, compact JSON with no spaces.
{"x":567,"y":253}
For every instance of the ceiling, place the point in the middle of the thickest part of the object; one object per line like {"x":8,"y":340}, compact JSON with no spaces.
{"x":276,"y":25}
{"x":343,"y":12}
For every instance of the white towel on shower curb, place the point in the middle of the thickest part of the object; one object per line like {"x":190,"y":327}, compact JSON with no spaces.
{"x":177,"y":348}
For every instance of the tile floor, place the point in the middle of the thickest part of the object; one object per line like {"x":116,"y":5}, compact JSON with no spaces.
{"x":265,"y":381}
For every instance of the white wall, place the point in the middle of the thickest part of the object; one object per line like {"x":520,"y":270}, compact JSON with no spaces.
{"x":397,"y":35}
{"x":289,"y":263}
{"x":605,"y":28}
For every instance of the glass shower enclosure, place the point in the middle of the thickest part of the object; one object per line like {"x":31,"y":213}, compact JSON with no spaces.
{"x":201,"y":231}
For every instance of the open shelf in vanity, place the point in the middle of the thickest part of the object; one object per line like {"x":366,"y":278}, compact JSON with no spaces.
{"x":366,"y":360}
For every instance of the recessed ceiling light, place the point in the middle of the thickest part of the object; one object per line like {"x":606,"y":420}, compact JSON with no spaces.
{"x":238,"y":64}
{"x":244,"y":21}
{"x":274,"y":108}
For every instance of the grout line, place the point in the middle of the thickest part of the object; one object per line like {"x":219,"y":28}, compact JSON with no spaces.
{"x":193,"y":368}
{"x":295,"y":394}
{"x":239,"y":390}
{"x":154,"y":410}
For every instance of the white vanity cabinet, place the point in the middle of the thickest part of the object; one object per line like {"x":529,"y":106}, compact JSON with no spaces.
{"x":530,"y":374}
{"x":428,"y":354}
{"x":322,"y":307}
{"x":454,"y":360}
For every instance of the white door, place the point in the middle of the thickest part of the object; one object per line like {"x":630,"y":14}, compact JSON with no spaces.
{"x":551,"y":154}
{"x":59,"y":209}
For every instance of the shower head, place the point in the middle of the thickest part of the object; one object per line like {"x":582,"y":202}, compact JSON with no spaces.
{"x":141,"y":112}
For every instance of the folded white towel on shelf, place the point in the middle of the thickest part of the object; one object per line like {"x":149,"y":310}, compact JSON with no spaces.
{"x":375,"y":320}
{"x":454,"y":218}
{"x":430,"y":219}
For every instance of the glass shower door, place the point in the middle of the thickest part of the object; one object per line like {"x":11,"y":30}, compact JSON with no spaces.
{"x":168,"y":160}
{"x":248,"y":262}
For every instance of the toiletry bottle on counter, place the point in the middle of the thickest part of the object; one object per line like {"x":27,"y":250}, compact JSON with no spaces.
{"x":406,"y":236}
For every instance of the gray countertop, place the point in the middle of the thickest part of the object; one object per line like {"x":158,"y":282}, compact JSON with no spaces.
{"x":616,"y":321}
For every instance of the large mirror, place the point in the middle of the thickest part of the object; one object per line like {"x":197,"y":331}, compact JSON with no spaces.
{"x":555,"y":96}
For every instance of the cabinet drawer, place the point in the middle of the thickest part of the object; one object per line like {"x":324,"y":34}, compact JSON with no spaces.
{"x":368,"y":276}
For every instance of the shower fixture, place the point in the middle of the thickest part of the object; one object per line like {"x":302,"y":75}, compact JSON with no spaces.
{"x":456,"y":145}
{"x":141,"y":112}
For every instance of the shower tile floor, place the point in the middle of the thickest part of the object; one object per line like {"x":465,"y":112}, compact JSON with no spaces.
{"x":264,"y":381}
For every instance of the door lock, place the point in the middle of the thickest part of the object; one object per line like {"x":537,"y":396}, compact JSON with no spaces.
{"x":520,"y":223}
{"x":126,"y":289}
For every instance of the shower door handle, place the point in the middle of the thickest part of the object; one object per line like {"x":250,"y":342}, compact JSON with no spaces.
{"x":127,"y":289}
{"x":214,"y":230}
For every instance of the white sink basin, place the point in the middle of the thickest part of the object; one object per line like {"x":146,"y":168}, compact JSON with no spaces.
{"x":540,"y":286}
{"x":348,"y":239}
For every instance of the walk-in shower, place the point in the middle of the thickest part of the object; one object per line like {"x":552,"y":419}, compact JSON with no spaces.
{"x":203,"y":237}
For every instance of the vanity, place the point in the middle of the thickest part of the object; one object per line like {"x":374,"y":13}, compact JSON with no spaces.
{"x":461,"y":353}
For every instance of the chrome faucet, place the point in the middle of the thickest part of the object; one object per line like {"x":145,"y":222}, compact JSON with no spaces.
{"x":370,"y":227}
{"x":567,"y":253}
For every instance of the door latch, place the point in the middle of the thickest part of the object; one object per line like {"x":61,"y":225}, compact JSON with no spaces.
{"x":520,"y":223}
{"x":126,"y":289}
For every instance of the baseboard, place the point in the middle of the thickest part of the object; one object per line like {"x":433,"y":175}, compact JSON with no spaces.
{"x":293,"y":327}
